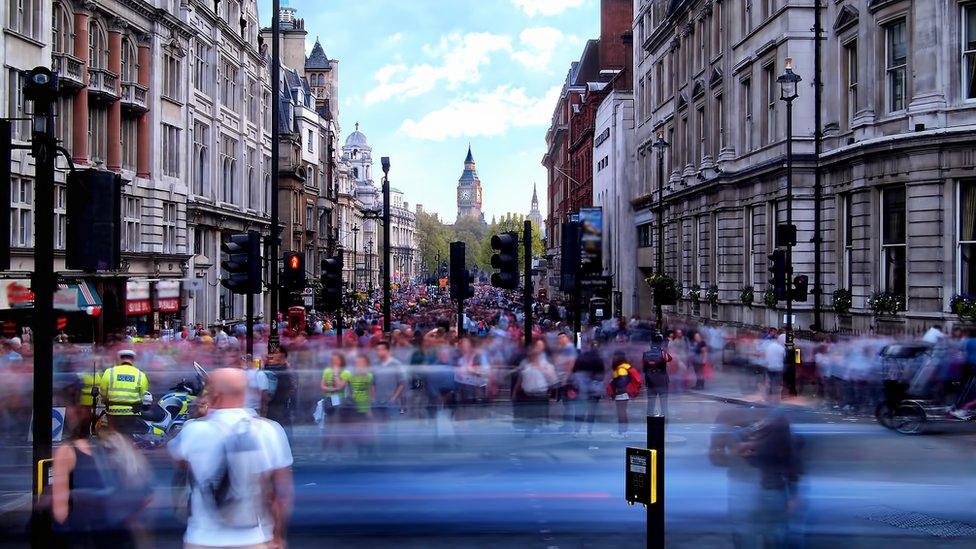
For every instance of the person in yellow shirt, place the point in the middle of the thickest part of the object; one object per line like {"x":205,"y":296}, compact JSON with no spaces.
{"x":120,"y":389}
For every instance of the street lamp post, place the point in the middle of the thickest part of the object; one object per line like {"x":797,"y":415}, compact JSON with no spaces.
{"x":355,"y":259}
{"x":788,"y":92}
{"x":387,"y":297}
{"x":660,"y":145}
{"x":369,"y":265}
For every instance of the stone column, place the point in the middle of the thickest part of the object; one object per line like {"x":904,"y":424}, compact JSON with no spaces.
{"x":114,"y":155}
{"x":79,"y":119}
{"x":145,"y":132}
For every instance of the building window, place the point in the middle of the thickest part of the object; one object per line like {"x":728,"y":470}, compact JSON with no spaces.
{"x":202,"y":75}
{"x":228,"y":89}
{"x":702,"y":136}
{"x":62,"y":41}
{"x":644,"y":235}
{"x":253,"y":191}
{"x":747,"y":109}
{"x":201,"y":158}
{"x":130,"y":65}
{"x":171,"y":150}
{"x":771,"y":92}
{"x":63,"y":120}
{"x":311,"y":141}
{"x":967,"y":238}
{"x":309,"y":217}
{"x":768,"y":7}
{"x":847,"y":225}
{"x":696,"y":250}
{"x":24,"y":17}
{"x":969,"y":52}
{"x":775,"y":220}
{"x":659,"y":82}
{"x":17,"y":105}
{"x":131,"y":224}
{"x":169,"y":227}
{"x":21,"y":209}
{"x":171,"y":77}
{"x":97,"y":133}
{"x":228,"y":167}
{"x":746,"y":17}
{"x":893,"y":241}
{"x":896,"y":63}
{"x":60,"y":216}
{"x":267,"y":110}
{"x":253,"y":107}
{"x":97,"y":46}
{"x":130,"y":129}
{"x":850,"y":79}
{"x":686,"y":140}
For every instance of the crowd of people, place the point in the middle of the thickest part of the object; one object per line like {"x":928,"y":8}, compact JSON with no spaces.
{"x":361,"y":382}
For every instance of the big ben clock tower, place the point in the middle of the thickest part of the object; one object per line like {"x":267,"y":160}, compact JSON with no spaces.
{"x":469,"y":190}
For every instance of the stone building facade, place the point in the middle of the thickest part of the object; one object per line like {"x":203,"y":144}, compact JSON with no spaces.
{"x":895,"y":163}
{"x":403,"y":239}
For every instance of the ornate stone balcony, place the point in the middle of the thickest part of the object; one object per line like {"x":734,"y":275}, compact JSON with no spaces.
{"x":134,"y":97}
{"x":69,"y":69}
{"x":101,"y":85}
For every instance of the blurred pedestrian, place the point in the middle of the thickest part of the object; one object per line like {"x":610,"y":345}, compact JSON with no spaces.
{"x":536,"y":375}
{"x":655,"y":362}
{"x":240,"y":466}
{"x":621,"y":389}
{"x":588,"y":378}
{"x":281,"y":390}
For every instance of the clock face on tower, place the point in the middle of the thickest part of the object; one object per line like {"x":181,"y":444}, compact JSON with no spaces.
{"x":465,"y":195}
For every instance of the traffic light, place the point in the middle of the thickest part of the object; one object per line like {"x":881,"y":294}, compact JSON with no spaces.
{"x":458,"y":274}
{"x":779,"y":270}
{"x":800,"y":287}
{"x":41,"y":85}
{"x":293,"y":275}
{"x":94,"y":221}
{"x":332,"y":282}
{"x":467,"y":284}
{"x":505,"y":260}
{"x":243,"y":263}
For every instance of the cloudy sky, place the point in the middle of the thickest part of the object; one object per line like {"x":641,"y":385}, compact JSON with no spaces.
{"x":425,"y":77}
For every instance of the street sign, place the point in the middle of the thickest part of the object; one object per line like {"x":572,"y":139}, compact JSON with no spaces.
{"x":595,"y":282}
{"x":57,"y":425}
{"x":641,"y":476}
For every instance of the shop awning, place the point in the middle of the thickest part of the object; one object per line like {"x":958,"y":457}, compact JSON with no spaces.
{"x":85,"y":296}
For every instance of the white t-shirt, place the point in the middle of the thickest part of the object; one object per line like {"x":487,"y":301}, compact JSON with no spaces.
{"x":257,"y":383}
{"x":775,"y":354}
{"x":199,"y":444}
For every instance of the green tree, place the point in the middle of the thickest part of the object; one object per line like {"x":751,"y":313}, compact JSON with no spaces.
{"x":433,"y":238}
{"x":471,"y":231}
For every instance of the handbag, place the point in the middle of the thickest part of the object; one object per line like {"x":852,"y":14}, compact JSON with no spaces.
{"x":319,"y":414}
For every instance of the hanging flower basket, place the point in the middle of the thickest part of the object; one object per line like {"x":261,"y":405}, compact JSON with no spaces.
{"x":664,"y":289}
{"x":712,"y":295}
{"x":842,"y":301}
{"x":964,"y":306}
{"x":694,"y":294}
{"x":747,"y":296}
{"x":886,"y":303}
{"x":769,"y":298}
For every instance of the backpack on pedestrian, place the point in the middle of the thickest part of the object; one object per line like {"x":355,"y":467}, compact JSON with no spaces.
{"x":234,"y":490}
{"x":125,"y":476}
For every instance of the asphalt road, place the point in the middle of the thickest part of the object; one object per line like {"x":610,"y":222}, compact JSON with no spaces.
{"x":486,"y":484}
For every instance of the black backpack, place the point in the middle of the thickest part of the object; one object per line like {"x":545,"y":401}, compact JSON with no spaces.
{"x":234,"y":491}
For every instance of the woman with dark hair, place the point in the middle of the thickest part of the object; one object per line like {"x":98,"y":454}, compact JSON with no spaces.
{"x":100,"y":484}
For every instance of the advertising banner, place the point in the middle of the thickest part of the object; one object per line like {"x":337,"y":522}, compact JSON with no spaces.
{"x":137,"y":300}
{"x":591,"y":240}
{"x":168,"y":296}
{"x":16,"y":294}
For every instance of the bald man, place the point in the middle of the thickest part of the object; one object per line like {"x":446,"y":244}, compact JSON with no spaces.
{"x":232,"y":444}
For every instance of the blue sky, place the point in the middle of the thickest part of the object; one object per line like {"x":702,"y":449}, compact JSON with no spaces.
{"x":425,"y":77}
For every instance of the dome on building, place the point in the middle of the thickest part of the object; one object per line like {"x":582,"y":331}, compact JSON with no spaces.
{"x":357,"y":139}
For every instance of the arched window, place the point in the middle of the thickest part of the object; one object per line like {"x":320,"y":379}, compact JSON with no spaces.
{"x":130,"y":63}
{"x":309,"y":176}
{"x":97,"y":45}
{"x":355,"y":172}
{"x":61,"y":28}
{"x":252,"y":184}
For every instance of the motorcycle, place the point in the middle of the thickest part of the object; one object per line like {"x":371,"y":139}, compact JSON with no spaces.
{"x":166,"y":417}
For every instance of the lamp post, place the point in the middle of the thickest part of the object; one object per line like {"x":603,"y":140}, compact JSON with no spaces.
{"x":788,"y":92}
{"x":355,"y":259}
{"x":660,"y":145}
{"x":369,"y":265}
{"x":385,"y":162}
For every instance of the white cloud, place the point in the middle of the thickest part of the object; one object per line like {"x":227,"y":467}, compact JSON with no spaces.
{"x":459,"y":59}
{"x":483,"y":114}
{"x":538,"y":45}
{"x":546,"y":7}
{"x":395,"y":38}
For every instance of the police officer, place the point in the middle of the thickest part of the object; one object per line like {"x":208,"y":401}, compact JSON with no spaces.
{"x":121,"y":388}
